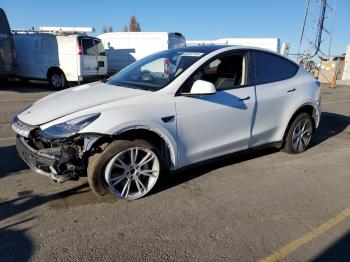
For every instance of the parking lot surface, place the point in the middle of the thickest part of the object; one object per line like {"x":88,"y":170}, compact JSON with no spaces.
{"x":264,"y":205}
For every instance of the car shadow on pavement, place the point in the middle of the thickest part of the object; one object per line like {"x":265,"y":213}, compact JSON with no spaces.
{"x":13,"y":207}
{"x":16,"y":245}
{"x":338,"y":251}
{"x":331,"y":124}
{"x":174,"y":179}
{"x":10,"y":161}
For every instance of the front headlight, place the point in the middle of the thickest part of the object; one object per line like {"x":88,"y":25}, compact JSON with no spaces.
{"x":70,"y":127}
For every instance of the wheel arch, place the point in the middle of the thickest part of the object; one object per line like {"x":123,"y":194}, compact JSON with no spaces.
{"x":309,"y":108}
{"x":52,"y":69}
{"x":161,"y":138}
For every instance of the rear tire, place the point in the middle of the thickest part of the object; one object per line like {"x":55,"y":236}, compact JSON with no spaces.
{"x":105,"y":169}
{"x":299,"y":134}
{"x":57,"y":79}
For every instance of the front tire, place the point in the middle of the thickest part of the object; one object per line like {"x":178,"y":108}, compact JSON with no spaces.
{"x":127,"y":169}
{"x":299,"y":134}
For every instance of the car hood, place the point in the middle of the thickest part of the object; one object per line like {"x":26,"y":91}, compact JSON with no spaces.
{"x":73,"y":100}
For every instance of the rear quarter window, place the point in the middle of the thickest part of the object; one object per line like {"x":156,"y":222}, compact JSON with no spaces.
{"x":273,"y":68}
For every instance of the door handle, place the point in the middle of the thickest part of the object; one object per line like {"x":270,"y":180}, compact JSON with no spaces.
{"x":246,"y":98}
{"x":291,"y":90}
{"x":101,"y":63}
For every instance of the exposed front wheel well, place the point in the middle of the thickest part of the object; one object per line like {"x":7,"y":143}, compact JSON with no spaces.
{"x":135,"y":134}
{"x":154,"y":139}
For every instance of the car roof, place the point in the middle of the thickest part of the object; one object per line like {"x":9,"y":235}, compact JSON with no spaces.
{"x":206,"y":49}
{"x":202,"y":48}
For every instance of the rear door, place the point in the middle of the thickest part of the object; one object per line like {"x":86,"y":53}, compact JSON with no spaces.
{"x":275,"y":92}
{"x":88,"y":62}
{"x":101,"y":58}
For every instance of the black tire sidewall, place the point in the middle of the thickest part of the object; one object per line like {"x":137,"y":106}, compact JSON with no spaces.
{"x":63,"y":79}
{"x":288,"y":148}
{"x":98,"y":162}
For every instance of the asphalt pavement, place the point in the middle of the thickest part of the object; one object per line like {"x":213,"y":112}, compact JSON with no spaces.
{"x":264,"y":205}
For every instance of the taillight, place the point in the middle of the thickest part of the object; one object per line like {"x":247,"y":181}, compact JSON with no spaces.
{"x":79,"y":48}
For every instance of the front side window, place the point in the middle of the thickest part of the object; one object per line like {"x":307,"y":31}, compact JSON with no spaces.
{"x":273,"y":68}
{"x":156,"y":71}
{"x":88,"y":47}
{"x":225,"y":72}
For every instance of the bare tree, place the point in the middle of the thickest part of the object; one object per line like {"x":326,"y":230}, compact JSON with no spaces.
{"x":107,"y":29}
{"x":134,"y":26}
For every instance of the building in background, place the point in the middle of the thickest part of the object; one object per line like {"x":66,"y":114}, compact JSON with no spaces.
{"x":346,"y":70}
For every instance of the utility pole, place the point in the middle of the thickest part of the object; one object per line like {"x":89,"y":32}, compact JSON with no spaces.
{"x":317,"y":28}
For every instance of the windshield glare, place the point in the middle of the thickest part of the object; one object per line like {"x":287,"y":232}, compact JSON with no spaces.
{"x":155,"y":71}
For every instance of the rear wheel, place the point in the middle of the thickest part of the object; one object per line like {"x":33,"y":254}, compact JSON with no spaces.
{"x":129,"y":169}
{"x":57,"y":79}
{"x":299,"y":134}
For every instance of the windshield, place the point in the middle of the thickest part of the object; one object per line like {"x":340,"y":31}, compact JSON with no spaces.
{"x":155,"y":71}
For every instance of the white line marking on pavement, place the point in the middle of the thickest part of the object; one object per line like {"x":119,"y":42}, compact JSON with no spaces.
{"x":334,"y":102}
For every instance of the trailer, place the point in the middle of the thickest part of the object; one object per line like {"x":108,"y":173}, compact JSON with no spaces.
{"x":124,"y":48}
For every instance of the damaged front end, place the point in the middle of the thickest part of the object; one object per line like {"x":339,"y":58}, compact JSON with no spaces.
{"x":61,"y":159}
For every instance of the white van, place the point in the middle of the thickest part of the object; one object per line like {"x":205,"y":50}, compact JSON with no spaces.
{"x":7,"y":51}
{"x":60,"y":55}
{"x":124,"y":48}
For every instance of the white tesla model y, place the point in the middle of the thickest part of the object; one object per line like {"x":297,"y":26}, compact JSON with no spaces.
{"x":167,"y":111}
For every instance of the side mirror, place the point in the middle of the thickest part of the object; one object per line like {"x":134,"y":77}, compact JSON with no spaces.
{"x":201,"y":87}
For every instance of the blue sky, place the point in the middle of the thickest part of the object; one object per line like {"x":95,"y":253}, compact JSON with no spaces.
{"x":197,"y":19}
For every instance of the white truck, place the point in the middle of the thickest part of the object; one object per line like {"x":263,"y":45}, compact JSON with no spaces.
{"x":59,"y":55}
{"x":124,"y":48}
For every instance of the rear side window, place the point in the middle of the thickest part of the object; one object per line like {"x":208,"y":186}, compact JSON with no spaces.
{"x":88,"y":47}
{"x":99,"y":47}
{"x":272,"y":68}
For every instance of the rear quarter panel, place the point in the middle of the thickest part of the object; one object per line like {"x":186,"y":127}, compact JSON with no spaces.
{"x":307,"y":93}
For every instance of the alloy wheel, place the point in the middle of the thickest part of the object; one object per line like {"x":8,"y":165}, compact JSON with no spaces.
{"x":302,"y":135}
{"x":132,"y":173}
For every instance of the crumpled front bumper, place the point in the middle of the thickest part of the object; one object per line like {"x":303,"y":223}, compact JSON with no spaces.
{"x":39,"y":162}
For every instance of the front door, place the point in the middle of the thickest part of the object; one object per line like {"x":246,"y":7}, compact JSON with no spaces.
{"x":214,"y":125}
